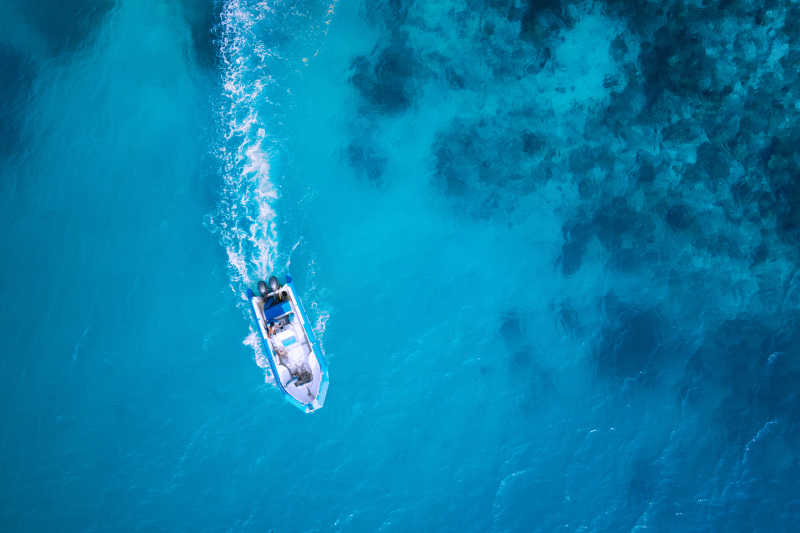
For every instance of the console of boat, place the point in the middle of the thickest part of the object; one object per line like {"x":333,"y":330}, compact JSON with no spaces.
{"x":299,"y":370}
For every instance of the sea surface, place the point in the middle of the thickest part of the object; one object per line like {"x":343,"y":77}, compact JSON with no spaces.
{"x":551,"y":250}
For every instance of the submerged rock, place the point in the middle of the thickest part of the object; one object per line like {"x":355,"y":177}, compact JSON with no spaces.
{"x":387,"y":78}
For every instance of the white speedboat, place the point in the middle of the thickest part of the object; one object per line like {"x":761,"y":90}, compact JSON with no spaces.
{"x":294,"y":358}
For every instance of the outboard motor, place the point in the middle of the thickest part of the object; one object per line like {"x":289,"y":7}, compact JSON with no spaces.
{"x":274,"y":284}
{"x":262,"y":289}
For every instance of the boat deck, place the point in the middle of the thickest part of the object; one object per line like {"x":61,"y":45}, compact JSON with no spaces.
{"x":290,"y":349}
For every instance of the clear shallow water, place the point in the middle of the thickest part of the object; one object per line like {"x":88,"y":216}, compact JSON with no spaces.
{"x":551,"y":252}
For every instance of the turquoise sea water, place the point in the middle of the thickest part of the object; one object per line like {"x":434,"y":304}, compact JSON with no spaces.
{"x":550,"y":250}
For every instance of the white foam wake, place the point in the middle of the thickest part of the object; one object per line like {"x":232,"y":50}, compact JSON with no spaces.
{"x":246,"y":218}
{"x":256,"y":77}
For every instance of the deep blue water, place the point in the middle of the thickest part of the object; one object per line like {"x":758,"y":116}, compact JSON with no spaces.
{"x":550,"y":248}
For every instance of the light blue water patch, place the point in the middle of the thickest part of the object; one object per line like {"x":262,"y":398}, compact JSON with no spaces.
{"x":549,"y":251}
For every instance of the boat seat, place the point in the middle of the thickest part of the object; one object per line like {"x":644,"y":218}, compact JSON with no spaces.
{"x":271,"y":313}
{"x":284,"y":374}
{"x":289,"y":340}
{"x":284,"y":334}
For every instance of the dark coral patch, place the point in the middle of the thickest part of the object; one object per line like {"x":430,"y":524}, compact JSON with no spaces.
{"x":533,"y":143}
{"x":679,"y":217}
{"x":539,"y":18}
{"x":66,"y":26}
{"x":751,"y":369}
{"x":367,"y":161}
{"x":202,"y":17}
{"x":484,"y":171}
{"x":511,"y":328}
{"x":386,"y":80}
{"x":16,"y":75}
{"x":576,"y":239}
{"x":570,"y":319}
{"x":617,"y":221}
{"x":676,"y":61}
{"x":647,"y":172}
{"x":630,"y":341}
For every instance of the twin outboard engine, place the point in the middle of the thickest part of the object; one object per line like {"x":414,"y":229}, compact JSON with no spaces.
{"x":274,"y":284}
{"x":264,"y":290}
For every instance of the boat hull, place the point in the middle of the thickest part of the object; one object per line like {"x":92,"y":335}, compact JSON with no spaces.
{"x":308,"y":395}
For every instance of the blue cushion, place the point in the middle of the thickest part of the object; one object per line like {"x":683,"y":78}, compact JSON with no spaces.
{"x":289,"y":341}
{"x":277,"y":310}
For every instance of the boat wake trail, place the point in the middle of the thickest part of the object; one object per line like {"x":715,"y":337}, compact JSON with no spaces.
{"x":246,"y":218}
{"x":261,"y":48}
